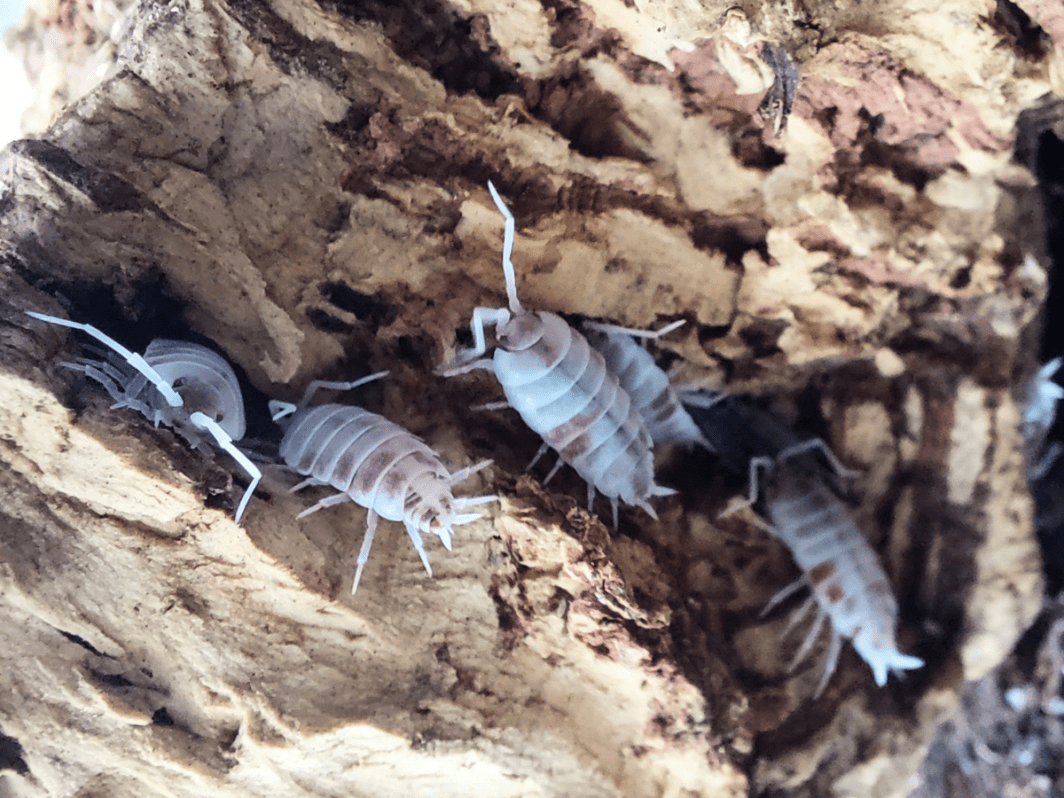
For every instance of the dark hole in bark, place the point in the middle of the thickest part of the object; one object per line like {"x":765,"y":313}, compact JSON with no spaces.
{"x":11,"y":755}
{"x":365,"y":307}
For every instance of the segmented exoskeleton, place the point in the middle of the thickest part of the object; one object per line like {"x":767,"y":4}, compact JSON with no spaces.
{"x":375,"y":463}
{"x":183,"y":385}
{"x":564,"y":391}
{"x":645,"y":383}
{"x":848,"y":584}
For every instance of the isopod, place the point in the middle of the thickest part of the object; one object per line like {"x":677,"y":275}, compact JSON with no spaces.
{"x":848,"y":584}
{"x":645,"y":383}
{"x":376,"y":463}
{"x":1039,"y":404}
{"x":564,"y":391}
{"x":181,"y":384}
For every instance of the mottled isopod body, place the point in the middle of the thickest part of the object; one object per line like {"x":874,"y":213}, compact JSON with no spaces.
{"x":648,"y":387}
{"x":181,"y":384}
{"x":849,"y":586}
{"x":377,"y":464}
{"x":564,"y":391}
{"x":848,"y":583}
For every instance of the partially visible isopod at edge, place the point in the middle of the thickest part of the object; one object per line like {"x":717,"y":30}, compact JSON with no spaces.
{"x":1041,"y":395}
{"x":648,"y":386}
{"x":181,"y":384}
{"x":793,"y":484}
{"x":564,"y":391}
{"x":377,"y":464}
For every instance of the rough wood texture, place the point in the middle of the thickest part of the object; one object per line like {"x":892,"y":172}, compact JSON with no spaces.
{"x":304,"y":184}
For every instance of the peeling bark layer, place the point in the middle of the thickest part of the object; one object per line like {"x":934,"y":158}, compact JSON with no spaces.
{"x":304,"y":184}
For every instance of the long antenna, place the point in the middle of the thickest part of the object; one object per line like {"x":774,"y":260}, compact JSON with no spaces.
{"x":507,"y":251}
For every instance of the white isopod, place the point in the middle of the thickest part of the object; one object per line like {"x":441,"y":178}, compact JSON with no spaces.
{"x":184,"y":385}
{"x":645,"y":383}
{"x":848,"y":584}
{"x":376,"y":463}
{"x":564,"y":391}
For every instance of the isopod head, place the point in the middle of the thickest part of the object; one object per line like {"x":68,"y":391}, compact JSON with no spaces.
{"x":520,"y":332}
{"x":203,"y":379}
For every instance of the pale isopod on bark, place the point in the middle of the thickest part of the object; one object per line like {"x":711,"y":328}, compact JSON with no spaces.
{"x":564,"y":391}
{"x":849,"y":586}
{"x":645,"y":383}
{"x":183,"y":385}
{"x":376,"y":463}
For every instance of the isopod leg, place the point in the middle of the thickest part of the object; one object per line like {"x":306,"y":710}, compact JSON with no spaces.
{"x":755,"y":464}
{"x":317,"y":385}
{"x":699,"y":397}
{"x":467,"y":472}
{"x":309,"y":482}
{"x":816,"y":444}
{"x":328,"y":501}
{"x":462,"y":502}
{"x":491,"y":406}
{"x":363,"y":553}
{"x":832,"y":662}
{"x":1045,"y":462}
{"x":782,"y":596}
{"x":135,"y":360}
{"x":634,"y":332}
{"x":554,"y":470}
{"x":201,"y":421}
{"x":279,"y":409}
{"x":810,"y":638}
{"x":465,"y":368}
{"x":419,"y":544}
{"x":481,"y":318}
{"x":541,"y":451}
{"x":468,"y":518}
{"x":99,"y":371}
{"x":469,"y":359}
{"x":615,"y":508}
{"x":799,"y":615}
{"x":102,"y":373}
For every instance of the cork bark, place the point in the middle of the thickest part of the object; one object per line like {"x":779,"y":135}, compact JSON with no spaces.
{"x":304,"y":184}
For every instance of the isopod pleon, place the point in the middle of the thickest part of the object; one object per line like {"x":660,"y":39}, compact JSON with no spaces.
{"x":848,"y":584}
{"x":183,"y":385}
{"x":645,"y":383}
{"x":564,"y":391}
{"x":375,"y":463}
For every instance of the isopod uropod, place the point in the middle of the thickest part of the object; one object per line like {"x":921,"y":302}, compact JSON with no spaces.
{"x":184,"y":385}
{"x":564,"y":391}
{"x":848,"y":584}
{"x":376,"y":463}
